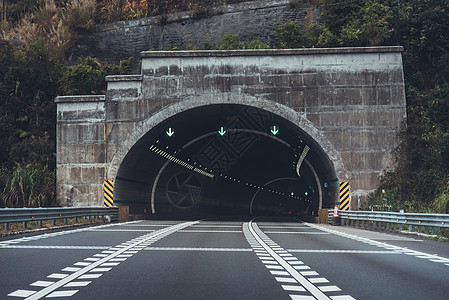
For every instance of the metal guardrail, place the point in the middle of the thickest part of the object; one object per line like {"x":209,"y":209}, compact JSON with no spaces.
{"x":392,"y":220}
{"x":24,"y":215}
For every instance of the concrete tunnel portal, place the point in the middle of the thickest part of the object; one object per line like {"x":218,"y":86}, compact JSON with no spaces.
{"x":225,"y":159}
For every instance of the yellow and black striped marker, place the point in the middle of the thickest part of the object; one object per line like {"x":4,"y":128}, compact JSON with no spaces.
{"x":108,"y":193}
{"x":344,"y":195}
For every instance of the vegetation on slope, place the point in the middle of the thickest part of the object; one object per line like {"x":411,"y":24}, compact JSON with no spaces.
{"x":35,"y":39}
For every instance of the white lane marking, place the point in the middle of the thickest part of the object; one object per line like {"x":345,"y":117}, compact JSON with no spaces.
{"x":302,"y":267}
{"x":59,"y":294}
{"x":55,"y":234}
{"x":272,"y":262}
{"x":113,"y":264}
{"x":70,"y":269}
{"x":330,"y":288}
{"x":341,"y":251}
{"x":398,"y":249}
{"x":309,"y":273}
{"x":296,"y":232}
{"x":285,"y":279}
{"x":293,"y":288}
{"x":118,"y":259}
{"x":100,"y":255}
{"x":77,"y":283}
{"x":199,"y":249}
{"x":345,"y":297}
{"x":148,"y":225}
{"x":90,"y":276}
{"x":57,"y":247}
{"x":42,"y":283}
{"x":83,"y":264}
{"x":122,"y":230}
{"x":318,"y":280}
{"x":213,"y":231}
{"x":57,"y":276}
{"x":22,"y":293}
{"x":300,"y":297}
{"x":282,"y":273}
{"x":216,"y":226}
{"x":100,"y":270}
{"x":92,"y":259}
{"x":93,"y":267}
{"x":296,"y":276}
{"x":276,"y":267}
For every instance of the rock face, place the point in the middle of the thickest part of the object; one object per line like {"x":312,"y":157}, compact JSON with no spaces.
{"x":250,"y":20}
{"x":350,"y":101}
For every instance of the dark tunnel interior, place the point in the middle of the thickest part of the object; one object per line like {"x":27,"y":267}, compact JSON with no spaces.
{"x":225,"y":159}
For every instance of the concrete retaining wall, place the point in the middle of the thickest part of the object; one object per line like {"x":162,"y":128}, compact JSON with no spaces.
{"x":250,"y":20}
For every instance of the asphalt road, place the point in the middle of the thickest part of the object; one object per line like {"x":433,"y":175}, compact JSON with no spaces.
{"x":223,"y":259}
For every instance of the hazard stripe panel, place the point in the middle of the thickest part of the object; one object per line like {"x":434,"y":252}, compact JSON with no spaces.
{"x":108,"y":193}
{"x":344,"y":195}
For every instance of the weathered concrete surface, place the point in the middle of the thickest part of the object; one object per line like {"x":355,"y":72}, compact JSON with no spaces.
{"x":80,"y":150}
{"x":250,"y":20}
{"x":350,"y":100}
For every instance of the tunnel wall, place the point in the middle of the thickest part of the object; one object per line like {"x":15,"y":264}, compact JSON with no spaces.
{"x":350,"y":100}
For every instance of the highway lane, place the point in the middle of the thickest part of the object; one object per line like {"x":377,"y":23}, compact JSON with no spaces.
{"x":223,"y":259}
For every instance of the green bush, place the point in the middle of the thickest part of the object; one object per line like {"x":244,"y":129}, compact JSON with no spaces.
{"x":88,"y":76}
{"x":290,"y":35}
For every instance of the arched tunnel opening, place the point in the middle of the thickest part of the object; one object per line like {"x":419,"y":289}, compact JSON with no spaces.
{"x":225,"y":159}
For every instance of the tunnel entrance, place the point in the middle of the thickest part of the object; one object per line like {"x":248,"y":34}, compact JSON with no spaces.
{"x":225,"y":159}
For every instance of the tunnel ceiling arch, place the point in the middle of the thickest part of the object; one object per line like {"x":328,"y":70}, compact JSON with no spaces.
{"x":225,"y":159}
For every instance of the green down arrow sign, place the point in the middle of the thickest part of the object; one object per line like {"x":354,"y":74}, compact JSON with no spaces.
{"x":221,"y":131}
{"x":170,"y":132}
{"x":274,"y":130}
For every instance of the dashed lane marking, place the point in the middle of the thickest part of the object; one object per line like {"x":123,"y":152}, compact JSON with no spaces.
{"x":93,"y":267}
{"x":301,"y":282}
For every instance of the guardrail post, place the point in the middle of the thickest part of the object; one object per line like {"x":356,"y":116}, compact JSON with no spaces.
{"x":388,"y":227}
{"x":6,"y":226}
{"x":374,"y":225}
{"x":426,"y":229}
{"x":410,"y":228}
{"x":39,"y":223}
{"x":65,"y":221}
{"x":401,"y":227}
{"x":53,"y":222}
{"x":24,"y":225}
{"x":434,"y":230}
